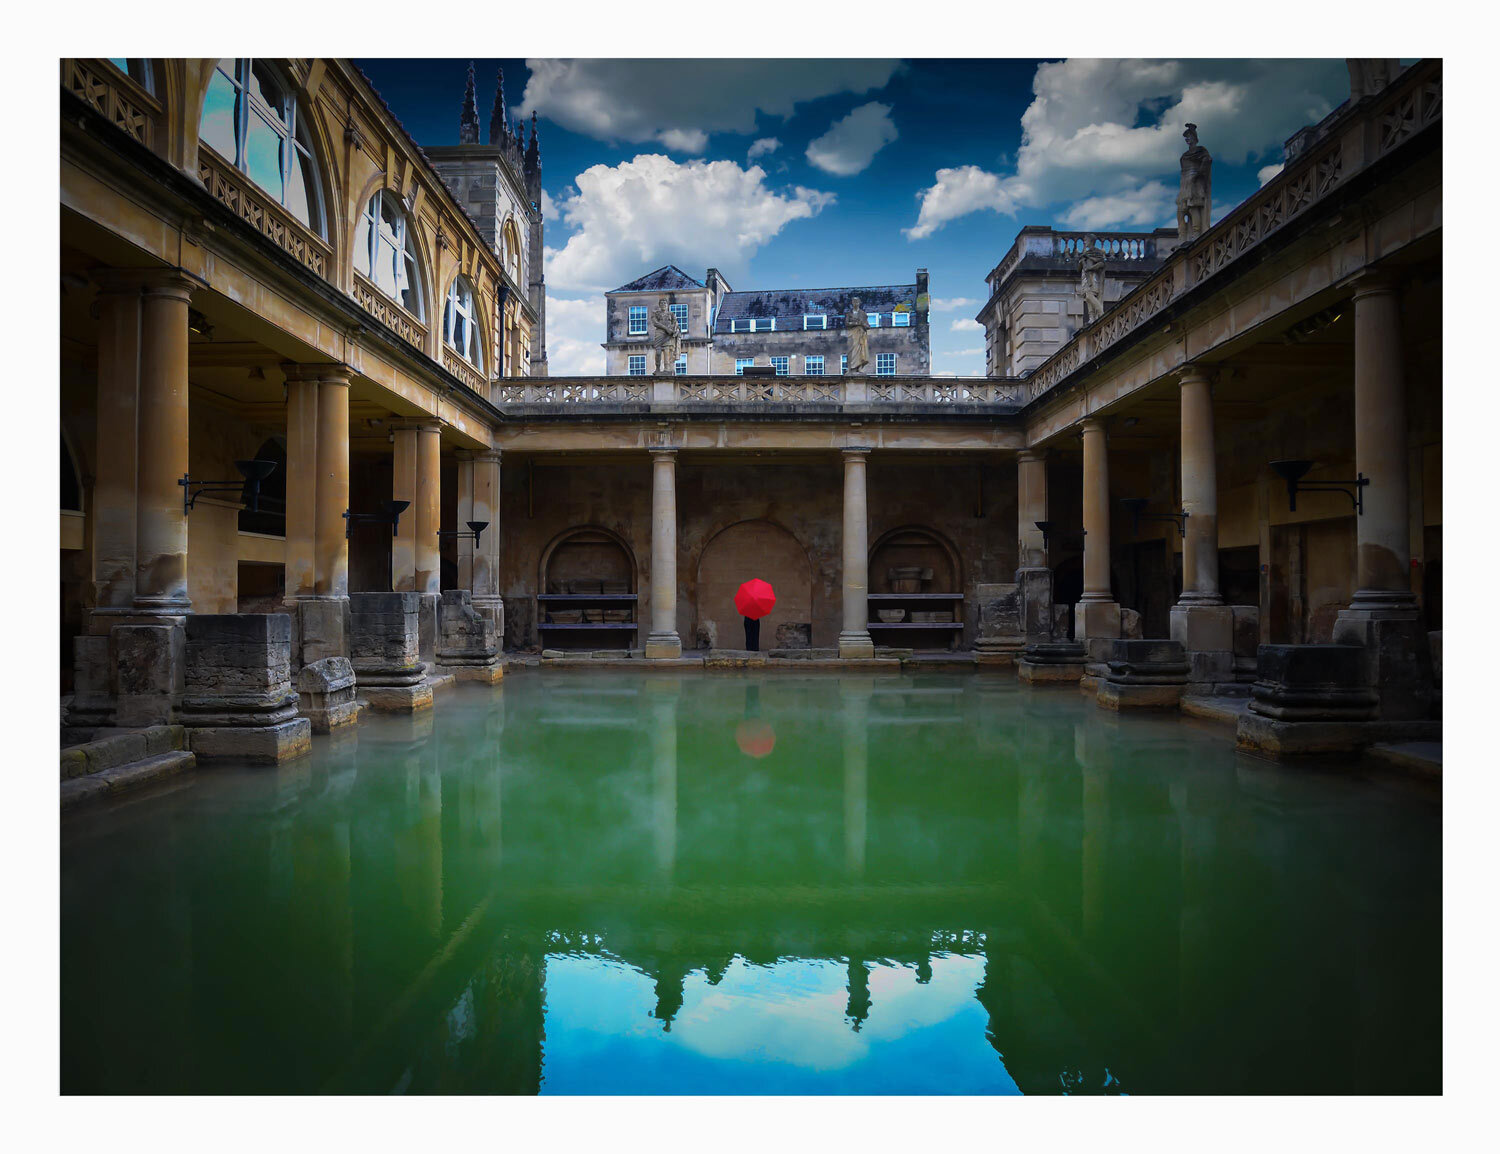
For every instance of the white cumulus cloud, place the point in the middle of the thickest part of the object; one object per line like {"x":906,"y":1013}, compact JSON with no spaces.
{"x":763,"y":147}
{"x":629,"y":218}
{"x":1098,"y":129}
{"x":1152,"y":205}
{"x":1268,"y":172}
{"x":952,"y":304}
{"x":575,"y":331}
{"x":850,"y":144}
{"x":680,"y":103}
{"x":965,"y":325}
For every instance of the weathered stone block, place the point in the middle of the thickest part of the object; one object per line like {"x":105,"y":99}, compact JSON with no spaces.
{"x":1051,"y":661}
{"x":1203,"y":628}
{"x":326,"y":692}
{"x":1001,"y":623}
{"x":117,"y":749}
{"x":466,"y":640}
{"x":238,"y":700}
{"x":1396,"y":661}
{"x":794,"y":635}
{"x":707,"y":636}
{"x":1301,"y":683}
{"x":384,"y":645}
{"x":1130,"y":624}
{"x":1246,"y":629}
{"x":1034,"y":586}
{"x":428,"y":615}
{"x":148,"y":666}
{"x":1093,"y":619}
{"x":321,"y":629}
{"x":93,"y":674}
{"x":1144,"y":674}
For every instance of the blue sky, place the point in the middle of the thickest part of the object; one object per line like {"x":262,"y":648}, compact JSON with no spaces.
{"x":846,"y":172}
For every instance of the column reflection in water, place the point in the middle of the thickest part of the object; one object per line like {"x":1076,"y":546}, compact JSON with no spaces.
{"x":663,"y":694}
{"x":855,"y":696}
{"x":1091,"y":746}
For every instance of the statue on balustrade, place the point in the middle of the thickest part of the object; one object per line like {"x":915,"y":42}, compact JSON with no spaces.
{"x":1195,"y":196}
{"x":1367,"y":77}
{"x":1091,"y":280}
{"x":857,"y":324}
{"x":666,"y":339}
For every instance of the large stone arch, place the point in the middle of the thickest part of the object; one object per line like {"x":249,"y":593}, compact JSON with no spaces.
{"x":746,"y":549}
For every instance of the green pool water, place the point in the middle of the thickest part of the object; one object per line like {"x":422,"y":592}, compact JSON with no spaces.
{"x":629,"y":883}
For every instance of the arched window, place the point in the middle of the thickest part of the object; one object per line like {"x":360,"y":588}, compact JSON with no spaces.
{"x":251,"y":117}
{"x":384,"y":252}
{"x":513,"y":251}
{"x":137,"y":70}
{"x":461,"y":322}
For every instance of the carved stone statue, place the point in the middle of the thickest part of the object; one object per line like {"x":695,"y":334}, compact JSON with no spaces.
{"x":1367,"y":77}
{"x":666,"y":339}
{"x":857,"y":324}
{"x":1195,"y":195}
{"x":1091,"y":280}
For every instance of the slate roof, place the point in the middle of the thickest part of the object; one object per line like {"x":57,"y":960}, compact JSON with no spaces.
{"x":792,"y":304}
{"x":665,"y":279}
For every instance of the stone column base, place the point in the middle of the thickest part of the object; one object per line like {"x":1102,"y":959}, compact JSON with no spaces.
{"x":491,"y":674}
{"x":1051,"y":662}
{"x":856,"y":645}
{"x":320,"y":628}
{"x":1397,"y":659}
{"x":663,"y":646}
{"x":1144,"y":674}
{"x":260,"y":744}
{"x":384,"y":638}
{"x":998,"y":650}
{"x":397,"y":698}
{"x":467,"y":646}
{"x":1309,"y":700}
{"x":326,"y":692}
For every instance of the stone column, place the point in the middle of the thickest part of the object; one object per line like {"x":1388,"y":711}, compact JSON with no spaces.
{"x":331,"y":551}
{"x":855,"y":640}
{"x":663,"y":641}
{"x":119,"y":304}
{"x":301,"y":482}
{"x":428,"y":509}
{"x":1200,"y":620}
{"x":1034,"y":571}
{"x":464,"y":551}
{"x":486,"y":563}
{"x":161,"y":530}
{"x":1097,"y":616}
{"x":404,"y":488}
{"x":1383,"y":614}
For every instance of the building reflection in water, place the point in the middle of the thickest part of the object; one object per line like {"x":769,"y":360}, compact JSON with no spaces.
{"x":365,"y":921}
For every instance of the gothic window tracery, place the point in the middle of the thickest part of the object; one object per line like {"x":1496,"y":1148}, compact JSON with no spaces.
{"x":251,"y":118}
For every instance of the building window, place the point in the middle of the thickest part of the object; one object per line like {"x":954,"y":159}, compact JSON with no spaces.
{"x":874,"y":319}
{"x":814,"y":321}
{"x":741,"y":325}
{"x":901,"y":320}
{"x":813,"y":366}
{"x":636,"y":367}
{"x":844,"y":365}
{"x":762,"y":324}
{"x":250,"y":117}
{"x":741,"y":364}
{"x":461,"y":322}
{"x":637,"y":320}
{"x":680,"y":313}
{"x":679,"y":366}
{"x":384,"y":252}
{"x":885,"y":364}
{"x":781,"y":365}
{"x":513,"y":251}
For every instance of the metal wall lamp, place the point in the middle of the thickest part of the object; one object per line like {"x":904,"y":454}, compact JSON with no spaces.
{"x":1292,"y":473}
{"x":253,"y":472}
{"x":1046,"y":528}
{"x":1137,"y":507}
{"x":390,"y":514}
{"x":475,"y":529}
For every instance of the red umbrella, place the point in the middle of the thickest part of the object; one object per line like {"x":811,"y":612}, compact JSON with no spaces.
{"x":755,"y":737}
{"x":755,"y":598}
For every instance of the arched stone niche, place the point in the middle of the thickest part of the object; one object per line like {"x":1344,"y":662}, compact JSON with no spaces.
{"x":915,"y":547}
{"x":586,"y":555}
{"x":734,"y":555}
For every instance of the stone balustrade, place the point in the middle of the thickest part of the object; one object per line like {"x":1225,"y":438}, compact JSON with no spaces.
{"x":1411,"y":104}
{"x":717,"y":394}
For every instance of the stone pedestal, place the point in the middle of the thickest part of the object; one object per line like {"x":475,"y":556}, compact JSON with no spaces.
{"x":93,"y":700}
{"x":1206,"y":633}
{"x":326,"y":692}
{"x":147,"y":673}
{"x":1246,"y":646}
{"x":320,"y":628}
{"x":1051,"y":662}
{"x":1096,"y":626}
{"x":384,"y":651}
{"x":466,"y":640}
{"x":1001,"y":629}
{"x":1144,"y":674}
{"x":238,"y":701}
{"x":1308,"y":699}
{"x":1397,"y":663}
{"x":1034,"y":587}
{"x":429,"y":613}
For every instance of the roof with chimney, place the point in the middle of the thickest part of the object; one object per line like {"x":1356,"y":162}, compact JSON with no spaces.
{"x":668,"y":278}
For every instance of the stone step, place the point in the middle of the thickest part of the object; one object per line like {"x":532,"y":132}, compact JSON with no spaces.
{"x":120,"y":748}
{"x":132,"y":775}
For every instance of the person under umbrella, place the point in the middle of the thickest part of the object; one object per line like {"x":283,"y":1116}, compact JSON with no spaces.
{"x":754,"y":599}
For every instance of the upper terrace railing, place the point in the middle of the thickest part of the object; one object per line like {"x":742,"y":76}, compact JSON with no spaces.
{"x":1048,"y":244}
{"x":544,"y":395}
{"x":1346,"y":146}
